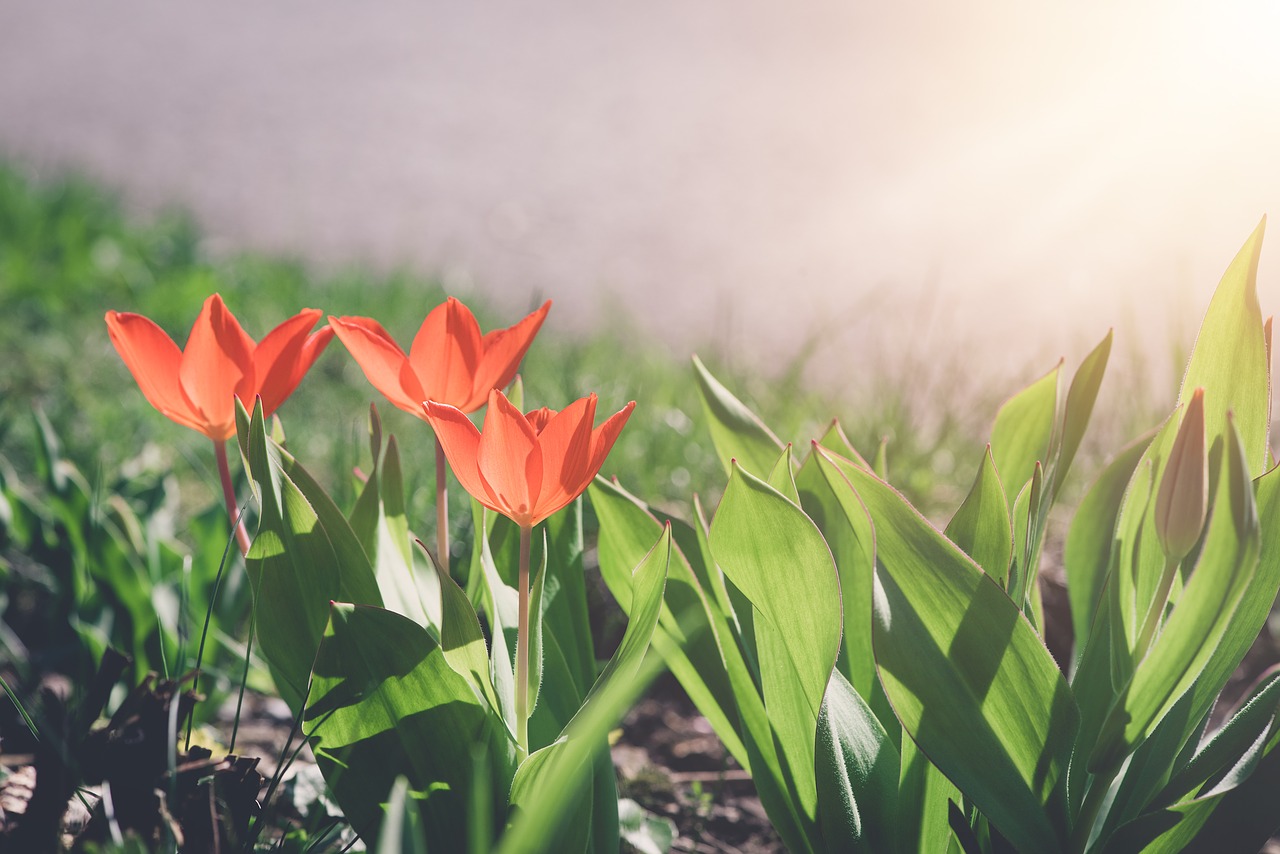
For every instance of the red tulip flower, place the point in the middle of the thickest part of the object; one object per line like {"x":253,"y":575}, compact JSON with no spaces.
{"x":526,"y":467}
{"x":197,"y":386}
{"x":449,"y":361}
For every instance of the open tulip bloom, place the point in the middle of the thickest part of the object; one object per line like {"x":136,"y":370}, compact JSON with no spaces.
{"x":197,"y":386}
{"x":525,"y":467}
{"x":449,"y":362}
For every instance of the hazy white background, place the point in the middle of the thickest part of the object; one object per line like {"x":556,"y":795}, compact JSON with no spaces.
{"x":920,"y":176}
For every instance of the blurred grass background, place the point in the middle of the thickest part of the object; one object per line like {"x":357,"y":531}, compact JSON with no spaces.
{"x":68,"y":253}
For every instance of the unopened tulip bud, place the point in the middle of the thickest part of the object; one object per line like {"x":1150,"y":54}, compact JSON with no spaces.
{"x":1183,"y":500}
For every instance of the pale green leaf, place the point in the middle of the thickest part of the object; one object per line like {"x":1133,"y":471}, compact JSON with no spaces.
{"x":967,"y":675}
{"x":981,"y":526}
{"x":1230,"y":358}
{"x":736,"y":431}
{"x":775,"y":555}
{"x":1023,"y":430}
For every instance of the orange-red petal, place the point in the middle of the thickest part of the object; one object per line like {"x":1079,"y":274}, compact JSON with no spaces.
{"x":445,"y":354}
{"x":565,"y":442}
{"x":382,"y":361}
{"x":283,"y":356}
{"x":461,"y":442}
{"x":502,"y":351}
{"x":153,"y":359}
{"x":218,"y":356}
{"x":602,"y":439}
{"x":509,"y":459}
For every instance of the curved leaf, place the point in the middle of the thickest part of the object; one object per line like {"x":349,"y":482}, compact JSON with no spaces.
{"x":967,"y":675}
{"x":736,"y":431}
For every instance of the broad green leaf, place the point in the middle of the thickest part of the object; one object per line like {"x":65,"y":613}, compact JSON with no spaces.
{"x":881,"y":465}
{"x":847,"y":529}
{"x":1087,"y":553}
{"x":1235,"y":816}
{"x":536,"y":614}
{"x":857,"y":774}
{"x":967,"y":675}
{"x":401,"y":823}
{"x":1023,"y":430}
{"x":1081,"y":397}
{"x":736,"y":431}
{"x":379,"y":522}
{"x":1251,"y":614}
{"x":385,"y":703}
{"x":782,"y":476}
{"x":702,"y":645}
{"x":1229,"y":360}
{"x":981,"y":526}
{"x":304,"y":556}
{"x":835,"y":440}
{"x":924,"y":793}
{"x":685,"y":637}
{"x":566,"y":595}
{"x":462,"y":642}
{"x":546,"y":783}
{"x":756,"y":533}
{"x":1227,"y":564}
{"x":1234,"y":741}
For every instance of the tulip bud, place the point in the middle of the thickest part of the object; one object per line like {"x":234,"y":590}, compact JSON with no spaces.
{"x":1183,"y":500}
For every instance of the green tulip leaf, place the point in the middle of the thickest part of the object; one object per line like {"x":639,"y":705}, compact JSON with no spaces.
{"x":1081,"y":398}
{"x":847,"y":529}
{"x":385,"y":703}
{"x":551,"y":778}
{"x":981,"y":526}
{"x":1023,"y":431}
{"x":755,"y":534}
{"x":304,"y":556}
{"x":1230,"y":359}
{"x":736,"y":431}
{"x":1200,"y":620}
{"x":967,"y":675}
{"x":1088,"y":548}
{"x":857,"y":774}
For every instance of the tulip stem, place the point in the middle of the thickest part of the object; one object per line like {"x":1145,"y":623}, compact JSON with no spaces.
{"x":1156,"y":610}
{"x":522,"y":645}
{"x":229,"y":494}
{"x":442,"y":510}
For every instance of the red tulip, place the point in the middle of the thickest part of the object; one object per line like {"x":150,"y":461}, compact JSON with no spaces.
{"x":197,"y":386}
{"x":526,"y":467}
{"x":449,"y":361}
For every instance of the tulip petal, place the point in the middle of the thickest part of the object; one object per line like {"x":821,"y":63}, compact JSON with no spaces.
{"x":382,"y":361}
{"x":445,"y":354}
{"x":509,"y":459}
{"x":565,"y":443}
{"x":502,"y":351}
{"x":461,"y":442}
{"x":217,"y":357}
{"x":602,"y":439}
{"x":153,"y":359}
{"x":278,"y":361}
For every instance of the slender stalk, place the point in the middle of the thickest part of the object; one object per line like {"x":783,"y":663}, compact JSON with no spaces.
{"x":229,"y":494}
{"x":1156,"y":611}
{"x":442,"y":510}
{"x":522,"y":645}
